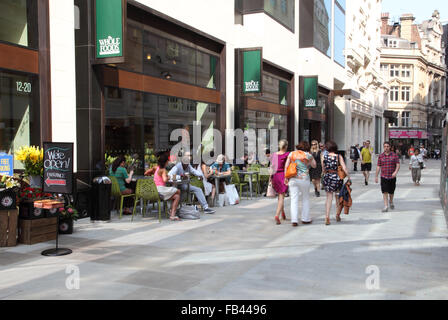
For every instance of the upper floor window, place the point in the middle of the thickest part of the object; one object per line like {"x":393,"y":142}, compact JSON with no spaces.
{"x":322,"y":25}
{"x":18,"y":22}
{"x":394,"y":91}
{"x":405,"y":118}
{"x":406,"y":94}
{"x":384,"y":69}
{"x":394,"y":70}
{"x":393,"y":44}
{"x":283,"y":13}
{"x":405,"y":71}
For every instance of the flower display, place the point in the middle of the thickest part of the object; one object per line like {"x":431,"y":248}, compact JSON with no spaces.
{"x":68,"y":213}
{"x":8,"y":182}
{"x":32,"y":158}
{"x":31,"y":194}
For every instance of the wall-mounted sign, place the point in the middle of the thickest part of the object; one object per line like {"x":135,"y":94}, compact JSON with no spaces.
{"x":310,"y":92}
{"x":408,"y":134}
{"x":109,"y":28}
{"x":252,"y":71}
{"x":6,"y":164}
{"x":58,"y":167}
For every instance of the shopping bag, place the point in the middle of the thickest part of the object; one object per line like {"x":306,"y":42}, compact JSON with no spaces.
{"x":222,"y":200}
{"x":232,"y":196}
{"x":270,"y":193}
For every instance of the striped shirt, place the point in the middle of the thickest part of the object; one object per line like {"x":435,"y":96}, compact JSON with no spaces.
{"x":388,"y":164}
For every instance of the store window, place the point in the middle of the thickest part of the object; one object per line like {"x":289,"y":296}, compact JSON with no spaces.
{"x":274,"y":90}
{"x":18,"y":22}
{"x":157,"y":56}
{"x":282,"y":11}
{"x":141,"y":123}
{"x":267,"y":121}
{"x":19,"y":117}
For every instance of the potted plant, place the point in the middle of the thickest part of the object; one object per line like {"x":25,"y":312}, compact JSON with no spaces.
{"x":67,"y":215}
{"x":32,"y":158}
{"x":27,"y":196}
{"x":8,"y":192}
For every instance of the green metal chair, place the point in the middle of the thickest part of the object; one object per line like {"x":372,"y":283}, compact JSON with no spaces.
{"x":255,"y":179}
{"x":146,"y":190}
{"x":238,"y":184}
{"x":116,"y":193}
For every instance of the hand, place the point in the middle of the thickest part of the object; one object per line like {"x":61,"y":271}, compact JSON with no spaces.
{"x":394,"y":175}
{"x":131,"y":173}
{"x":286,"y":182}
{"x":376,"y":179}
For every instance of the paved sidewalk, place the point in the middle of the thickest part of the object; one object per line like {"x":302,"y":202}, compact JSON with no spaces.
{"x":239,"y":253}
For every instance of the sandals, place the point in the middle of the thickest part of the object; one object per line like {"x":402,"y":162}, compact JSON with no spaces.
{"x":338,"y":218}
{"x":175,"y":218}
{"x":277,"y":220}
{"x":283,"y":215}
{"x":327,"y":221}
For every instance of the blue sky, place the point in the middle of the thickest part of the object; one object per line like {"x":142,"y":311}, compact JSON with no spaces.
{"x":422,"y":9}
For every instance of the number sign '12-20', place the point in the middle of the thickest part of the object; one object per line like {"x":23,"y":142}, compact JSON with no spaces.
{"x":58,"y":167}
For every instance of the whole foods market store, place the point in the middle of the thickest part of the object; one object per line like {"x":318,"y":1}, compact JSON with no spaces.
{"x":168,"y":77}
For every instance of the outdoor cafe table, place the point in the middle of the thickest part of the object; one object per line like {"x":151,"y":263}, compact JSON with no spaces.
{"x":217,"y":178}
{"x":250,"y":174}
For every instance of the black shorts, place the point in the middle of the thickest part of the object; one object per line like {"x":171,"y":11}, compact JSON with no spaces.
{"x":388,"y":185}
{"x":366,"y":167}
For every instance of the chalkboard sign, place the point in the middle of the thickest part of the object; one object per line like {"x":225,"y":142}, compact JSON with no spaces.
{"x":58,"y":167}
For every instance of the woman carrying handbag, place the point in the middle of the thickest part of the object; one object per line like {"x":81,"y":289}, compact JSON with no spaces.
{"x":334,"y":169}
{"x":278,"y":161}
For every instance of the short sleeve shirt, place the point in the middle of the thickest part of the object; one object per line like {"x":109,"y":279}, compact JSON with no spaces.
{"x":366,"y":155}
{"x":302,"y":167}
{"x":388,"y":164}
{"x":225,"y":167}
{"x":121,"y":174}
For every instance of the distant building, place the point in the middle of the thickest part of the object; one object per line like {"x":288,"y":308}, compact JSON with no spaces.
{"x":413,"y":62}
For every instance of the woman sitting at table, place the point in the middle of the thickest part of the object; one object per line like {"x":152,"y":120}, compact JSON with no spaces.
{"x":166,"y":193}
{"x":118,"y":171}
{"x":221,"y":168}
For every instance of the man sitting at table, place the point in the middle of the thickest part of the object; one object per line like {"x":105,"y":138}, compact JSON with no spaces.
{"x":221,"y":168}
{"x":183,"y":168}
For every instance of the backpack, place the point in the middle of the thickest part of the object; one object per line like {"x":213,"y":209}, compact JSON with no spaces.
{"x":189,"y":213}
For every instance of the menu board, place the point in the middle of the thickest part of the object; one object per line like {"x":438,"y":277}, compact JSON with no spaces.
{"x":58,"y":167}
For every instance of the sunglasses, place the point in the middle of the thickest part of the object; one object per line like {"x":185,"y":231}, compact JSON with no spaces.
{"x":314,"y":144}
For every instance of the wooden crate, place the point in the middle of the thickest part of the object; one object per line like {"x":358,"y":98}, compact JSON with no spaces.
{"x":8,"y":227}
{"x":35,"y":231}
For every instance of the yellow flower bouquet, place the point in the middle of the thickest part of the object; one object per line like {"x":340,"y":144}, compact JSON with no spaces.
{"x":32,"y":158}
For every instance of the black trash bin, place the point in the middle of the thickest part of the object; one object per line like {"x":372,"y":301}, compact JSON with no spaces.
{"x":101,"y":190}
{"x":83,"y":199}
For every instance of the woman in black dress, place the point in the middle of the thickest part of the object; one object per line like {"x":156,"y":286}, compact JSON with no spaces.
{"x":316,"y":173}
{"x":332,"y":183}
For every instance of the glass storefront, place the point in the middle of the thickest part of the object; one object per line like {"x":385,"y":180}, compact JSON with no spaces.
{"x":268,"y":121}
{"x":18,"y":124}
{"x":322,"y":25}
{"x":282,"y":11}
{"x":18,"y":22}
{"x":141,"y":123}
{"x":167,"y":58}
{"x":339,"y":33}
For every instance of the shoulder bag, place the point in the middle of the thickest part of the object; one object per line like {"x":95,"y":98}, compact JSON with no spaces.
{"x":291,"y":171}
{"x":341,"y":172}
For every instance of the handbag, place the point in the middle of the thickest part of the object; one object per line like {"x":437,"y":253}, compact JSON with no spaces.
{"x":291,"y":171}
{"x":270,"y":193}
{"x":341,"y":172}
{"x":422,"y":165}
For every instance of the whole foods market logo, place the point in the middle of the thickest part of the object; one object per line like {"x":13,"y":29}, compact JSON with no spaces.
{"x":310,"y":102}
{"x":252,"y":86}
{"x":109,"y":46}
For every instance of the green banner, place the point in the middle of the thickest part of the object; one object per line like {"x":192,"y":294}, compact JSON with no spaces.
{"x":252,"y":71}
{"x":109,"y":28}
{"x":310,"y":92}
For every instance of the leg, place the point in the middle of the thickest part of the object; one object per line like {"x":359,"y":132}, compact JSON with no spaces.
{"x":391,"y":199}
{"x":305,"y":190}
{"x":328,"y":207}
{"x":386,"y":201}
{"x":294,"y":194}
{"x":200,"y":196}
{"x":419,"y":175}
{"x":175,"y":198}
{"x":280,"y":205}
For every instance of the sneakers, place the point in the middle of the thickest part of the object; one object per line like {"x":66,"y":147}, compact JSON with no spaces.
{"x":392,"y":206}
{"x":209,"y":211}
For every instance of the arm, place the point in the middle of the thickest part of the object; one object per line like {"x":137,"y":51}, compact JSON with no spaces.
{"x":150,"y":172}
{"x":129,"y":178}
{"x":342,"y":162}
{"x":205,"y":172}
{"x":394,"y":175}
{"x":322,"y":163}
{"x":313,"y":162}
{"x":164,"y":175}
{"x":378,"y":168}
{"x":195,"y":172}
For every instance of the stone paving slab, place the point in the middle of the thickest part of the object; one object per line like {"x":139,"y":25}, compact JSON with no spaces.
{"x":239,"y":253}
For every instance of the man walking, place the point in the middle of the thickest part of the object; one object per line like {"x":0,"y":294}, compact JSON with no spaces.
{"x":389,"y":164}
{"x":366,"y":161}
{"x":354,"y":156}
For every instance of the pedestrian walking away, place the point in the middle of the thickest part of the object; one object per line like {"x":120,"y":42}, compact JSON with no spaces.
{"x":300,"y":183}
{"x":366,"y":161}
{"x":389,"y":165}
{"x":416,"y":165}
{"x":332,"y":182}
{"x":316,"y":173}
{"x":277,"y":170}
{"x":354,"y":156}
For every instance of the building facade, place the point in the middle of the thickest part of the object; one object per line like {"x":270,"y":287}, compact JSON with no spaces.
{"x":362,"y":115}
{"x":413,"y":61}
{"x":174,"y":63}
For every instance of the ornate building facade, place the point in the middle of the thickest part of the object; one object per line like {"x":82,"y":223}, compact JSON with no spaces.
{"x":413,"y":61}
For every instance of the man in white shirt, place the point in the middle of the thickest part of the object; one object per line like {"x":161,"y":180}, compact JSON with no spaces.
{"x":182,"y":168}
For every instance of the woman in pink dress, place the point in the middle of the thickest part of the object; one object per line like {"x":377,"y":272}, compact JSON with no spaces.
{"x":278,"y":161}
